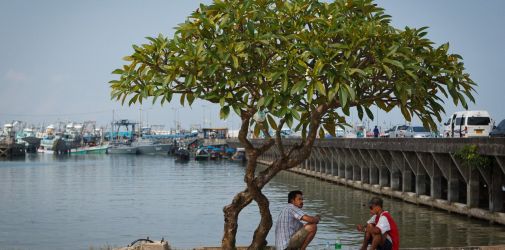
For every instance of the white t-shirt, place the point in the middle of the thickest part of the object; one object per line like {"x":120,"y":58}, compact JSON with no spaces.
{"x":382,"y":224}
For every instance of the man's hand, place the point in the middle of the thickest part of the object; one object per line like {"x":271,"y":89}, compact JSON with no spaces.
{"x":360,"y":227}
{"x":311,"y":219}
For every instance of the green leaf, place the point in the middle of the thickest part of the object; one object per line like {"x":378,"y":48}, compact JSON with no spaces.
{"x":369,"y":113}
{"x":133,"y":99}
{"x":354,"y":70}
{"x":261,"y":102}
{"x":389,"y":72}
{"x":298,"y":87}
{"x":320,"y":88}
{"x":118,"y":71}
{"x":317,"y":68}
{"x":394,"y":62}
{"x":235,"y":61}
{"x":330,"y":127}
{"x":289,"y":120}
{"x":360,"y":112}
{"x":183,"y":97}
{"x":343,"y":96}
{"x":295,"y":114}
{"x":411,"y":74}
{"x":406,"y":113}
{"x":190,"y":98}
{"x":272,"y":122}
{"x":310,"y":93}
{"x":224,"y":112}
{"x":257,"y":129}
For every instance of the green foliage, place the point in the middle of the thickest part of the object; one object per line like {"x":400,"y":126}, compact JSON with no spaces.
{"x":289,"y":58}
{"x":470,"y":156}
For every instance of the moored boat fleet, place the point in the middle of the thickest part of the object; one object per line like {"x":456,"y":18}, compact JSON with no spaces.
{"x":122,"y":137}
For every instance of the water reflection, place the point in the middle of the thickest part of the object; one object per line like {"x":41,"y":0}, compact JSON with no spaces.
{"x":73,"y":202}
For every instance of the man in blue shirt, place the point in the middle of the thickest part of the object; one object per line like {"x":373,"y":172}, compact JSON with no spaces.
{"x":290,"y":232}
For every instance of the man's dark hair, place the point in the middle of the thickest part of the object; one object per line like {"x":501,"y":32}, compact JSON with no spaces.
{"x":375,"y":201}
{"x":292,"y":195}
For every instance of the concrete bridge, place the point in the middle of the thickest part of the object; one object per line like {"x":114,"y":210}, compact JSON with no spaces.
{"x":421,"y":171}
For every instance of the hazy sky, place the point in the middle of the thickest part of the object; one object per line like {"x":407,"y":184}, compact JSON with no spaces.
{"x":56,"y":56}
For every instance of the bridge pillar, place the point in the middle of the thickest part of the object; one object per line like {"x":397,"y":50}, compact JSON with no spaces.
{"x":366,"y":165}
{"x":396,"y":170}
{"x":421,"y":184}
{"x":407,"y":180}
{"x":446,"y":165}
{"x":498,"y":185}
{"x":472,"y":190}
{"x":428,"y":163}
{"x":384,"y":176}
{"x":496,"y":199}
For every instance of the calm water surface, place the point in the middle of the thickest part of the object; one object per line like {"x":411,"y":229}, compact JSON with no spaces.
{"x":74,"y":202}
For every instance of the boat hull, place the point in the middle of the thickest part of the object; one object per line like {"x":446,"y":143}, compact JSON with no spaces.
{"x":122,"y":150}
{"x":90,"y":150}
{"x":155,"y":149}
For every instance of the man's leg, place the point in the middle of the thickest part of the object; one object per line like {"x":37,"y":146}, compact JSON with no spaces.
{"x":368,"y":237}
{"x":378,"y":240}
{"x":312,"y":230}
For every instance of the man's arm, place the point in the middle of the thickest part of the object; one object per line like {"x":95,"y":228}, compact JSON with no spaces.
{"x":311,"y":219}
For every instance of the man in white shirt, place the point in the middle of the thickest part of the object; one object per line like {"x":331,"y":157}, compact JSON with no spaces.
{"x":290,"y":232}
{"x":381,"y":231}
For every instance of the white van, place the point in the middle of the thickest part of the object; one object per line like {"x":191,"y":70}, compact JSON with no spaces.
{"x":468,"y":124}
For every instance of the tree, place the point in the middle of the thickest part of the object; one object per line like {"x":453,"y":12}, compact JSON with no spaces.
{"x":303,"y":63}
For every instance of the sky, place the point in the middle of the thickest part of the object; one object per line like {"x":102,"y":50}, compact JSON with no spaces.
{"x":56,"y":56}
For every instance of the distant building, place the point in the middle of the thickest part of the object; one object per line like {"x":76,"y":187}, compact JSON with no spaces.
{"x":215,"y":133}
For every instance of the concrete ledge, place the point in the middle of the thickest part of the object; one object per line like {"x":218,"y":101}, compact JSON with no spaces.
{"x":406,"y":196}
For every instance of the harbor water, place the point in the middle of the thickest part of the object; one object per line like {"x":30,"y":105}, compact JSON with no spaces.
{"x":78,"y":202}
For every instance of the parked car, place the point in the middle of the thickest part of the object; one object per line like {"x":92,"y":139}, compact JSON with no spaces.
{"x":398,"y":131}
{"x":386,"y":133}
{"x":418,"y":132}
{"x":498,"y":131}
{"x":469,"y":124}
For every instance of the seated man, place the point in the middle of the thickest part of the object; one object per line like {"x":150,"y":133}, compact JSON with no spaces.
{"x":290,"y":232}
{"x":381,"y":231}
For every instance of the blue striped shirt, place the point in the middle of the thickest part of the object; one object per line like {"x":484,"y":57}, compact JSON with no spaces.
{"x":288,"y":222}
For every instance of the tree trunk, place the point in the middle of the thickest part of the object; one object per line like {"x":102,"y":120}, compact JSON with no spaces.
{"x":260,"y":235}
{"x":231,"y":213}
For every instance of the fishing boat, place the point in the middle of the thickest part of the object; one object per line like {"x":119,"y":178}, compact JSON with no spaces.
{"x":27,"y":137}
{"x":98,"y":149}
{"x":122,"y":149}
{"x":202,"y":154}
{"x":182,"y":154}
{"x":122,"y":144}
{"x":150,"y":146}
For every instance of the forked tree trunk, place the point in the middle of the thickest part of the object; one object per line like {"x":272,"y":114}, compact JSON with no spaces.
{"x":231,"y":213}
{"x":256,"y":183}
{"x":260,"y":235}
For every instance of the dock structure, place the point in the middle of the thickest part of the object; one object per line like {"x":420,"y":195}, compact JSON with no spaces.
{"x":10,"y":149}
{"x":420,"y":171}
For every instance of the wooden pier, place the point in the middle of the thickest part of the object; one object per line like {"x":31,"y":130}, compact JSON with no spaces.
{"x":10,"y":149}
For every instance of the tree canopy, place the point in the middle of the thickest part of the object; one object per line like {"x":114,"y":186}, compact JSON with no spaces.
{"x":289,"y":57}
{"x":304,"y":63}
